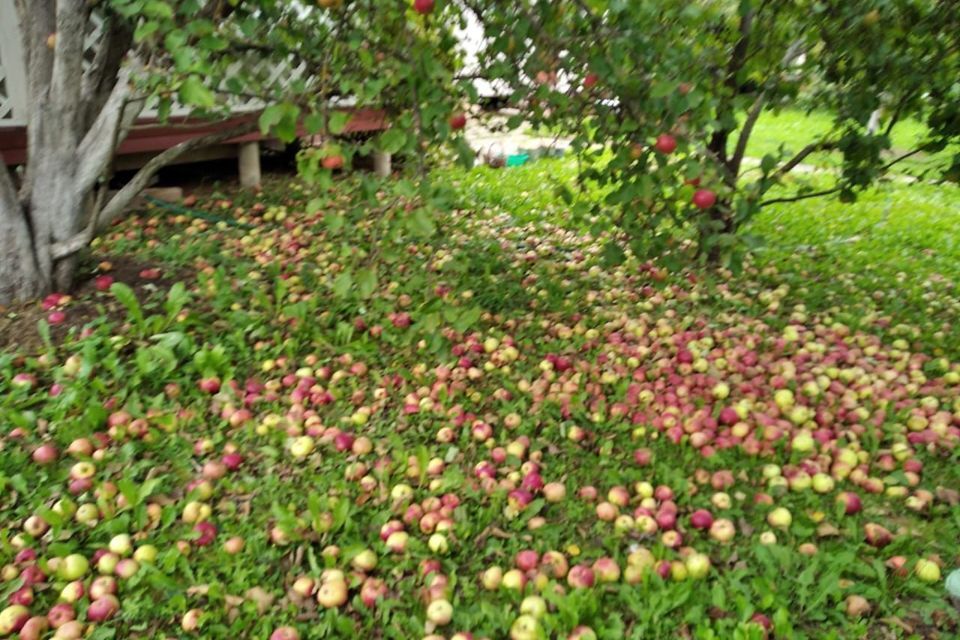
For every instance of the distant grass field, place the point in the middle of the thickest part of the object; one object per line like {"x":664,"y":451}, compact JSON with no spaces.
{"x":897,"y":249}
{"x":794,"y":129}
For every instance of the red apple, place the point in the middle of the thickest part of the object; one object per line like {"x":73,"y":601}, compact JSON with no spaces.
{"x":701,"y":519}
{"x":458,"y":121}
{"x":102,"y":283}
{"x":423,"y":7}
{"x":285,"y":633}
{"x":850,"y":501}
{"x":580,"y":577}
{"x":60,"y":614}
{"x":704,"y":198}
{"x":34,"y":628}
{"x":13,"y":618}
{"x":666,"y":143}
{"x":45,"y":454}
{"x":209,"y":385}
{"x":877,"y":535}
{"x":103,"y":608}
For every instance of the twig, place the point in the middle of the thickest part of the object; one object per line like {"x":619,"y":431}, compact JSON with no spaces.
{"x":805,"y":196}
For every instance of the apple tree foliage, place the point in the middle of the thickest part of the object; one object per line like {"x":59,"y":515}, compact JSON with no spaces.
{"x":617,"y":74}
{"x":293,"y":61}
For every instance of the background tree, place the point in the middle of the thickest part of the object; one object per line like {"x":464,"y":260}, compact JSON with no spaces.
{"x":208,"y":55}
{"x":661,"y":98}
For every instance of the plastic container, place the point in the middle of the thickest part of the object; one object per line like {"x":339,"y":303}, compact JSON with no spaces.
{"x":517,"y":159}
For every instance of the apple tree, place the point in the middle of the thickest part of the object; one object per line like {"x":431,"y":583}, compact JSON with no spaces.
{"x":661,"y":98}
{"x":294,"y":59}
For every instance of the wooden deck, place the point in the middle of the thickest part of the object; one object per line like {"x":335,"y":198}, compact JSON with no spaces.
{"x":151,"y":137}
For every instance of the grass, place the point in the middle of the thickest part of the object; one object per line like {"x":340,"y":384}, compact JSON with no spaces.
{"x":896,"y":248}
{"x":793,"y":129}
{"x":497,"y":346}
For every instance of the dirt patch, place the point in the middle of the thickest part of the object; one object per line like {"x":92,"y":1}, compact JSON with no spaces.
{"x":18,"y":323}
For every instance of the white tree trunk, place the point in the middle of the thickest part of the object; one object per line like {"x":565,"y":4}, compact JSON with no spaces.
{"x":20,"y":276}
{"x":76,"y":122}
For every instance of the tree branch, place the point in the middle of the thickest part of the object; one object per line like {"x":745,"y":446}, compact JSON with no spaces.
{"x":803,"y":196}
{"x":121,"y":200}
{"x":823,"y":145}
{"x":901,"y":158}
{"x":745,"y":132}
{"x":114,"y":121}
{"x":101,"y":77}
{"x":738,"y":58}
{"x":826,"y":192}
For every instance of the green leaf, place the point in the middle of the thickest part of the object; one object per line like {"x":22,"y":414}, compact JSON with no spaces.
{"x":270,"y":117}
{"x":768,"y":163}
{"x":341,"y":286}
{"x":128,"y":299}
{"x":193,"y":92}
{"x":157,"y":9}
{"x":313,"y":123}
{"x":393,"y":140}
{"x":367,"y":282}
{"x":467,"y":319}
{"x":338,"y":122}
{"x":145,"y":30}
{"x":421,"y":223}
{"x":613,"y":255}
{"x":286,"y":129}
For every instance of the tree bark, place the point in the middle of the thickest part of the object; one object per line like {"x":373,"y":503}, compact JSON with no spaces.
{"x":20,"y":276}
{"x":76,"y":122}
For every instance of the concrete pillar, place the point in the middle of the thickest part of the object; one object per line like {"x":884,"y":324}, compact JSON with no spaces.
{"x":382,"y":164}
{"x":248,"y":157}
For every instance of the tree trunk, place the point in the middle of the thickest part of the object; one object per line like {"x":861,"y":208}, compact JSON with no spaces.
{"x":77,"y":119}
{"x":20,"y":273}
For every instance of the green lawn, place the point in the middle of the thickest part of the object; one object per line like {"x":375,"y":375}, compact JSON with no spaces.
{"x":288,"y":417}
{"x":896,"y":251}
{"x":794,"y":129}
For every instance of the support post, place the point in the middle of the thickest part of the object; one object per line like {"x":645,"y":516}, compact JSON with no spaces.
{"x":248,"y":157}
{"x":382,"y":164}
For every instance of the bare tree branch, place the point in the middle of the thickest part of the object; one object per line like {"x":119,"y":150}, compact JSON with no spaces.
{"x":745,"y":132}
{"x":901,"y":158}
{"x":822,"y":145}
{"x":802,"y":196}
{"x":122,"y":199}
{"x":826,"y":192}
{"x":116,"y":117}
{"x":101,"y":76}
{"x":738,"y":58}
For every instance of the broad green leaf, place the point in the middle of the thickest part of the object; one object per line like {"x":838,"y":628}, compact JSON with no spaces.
{"x":342,"y":284}
{"x":338,"y":122}
{"x":145,"y":30}
{"x":313,"y":123}
{"x":421,"y":223}
{"x":367,"y":282}
{"x":270,"y":117}
{"x":393,"y":140}
{"x":193,"y":92}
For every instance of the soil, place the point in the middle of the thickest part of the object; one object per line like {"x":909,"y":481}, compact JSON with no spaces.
{"x":18,"y":323}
